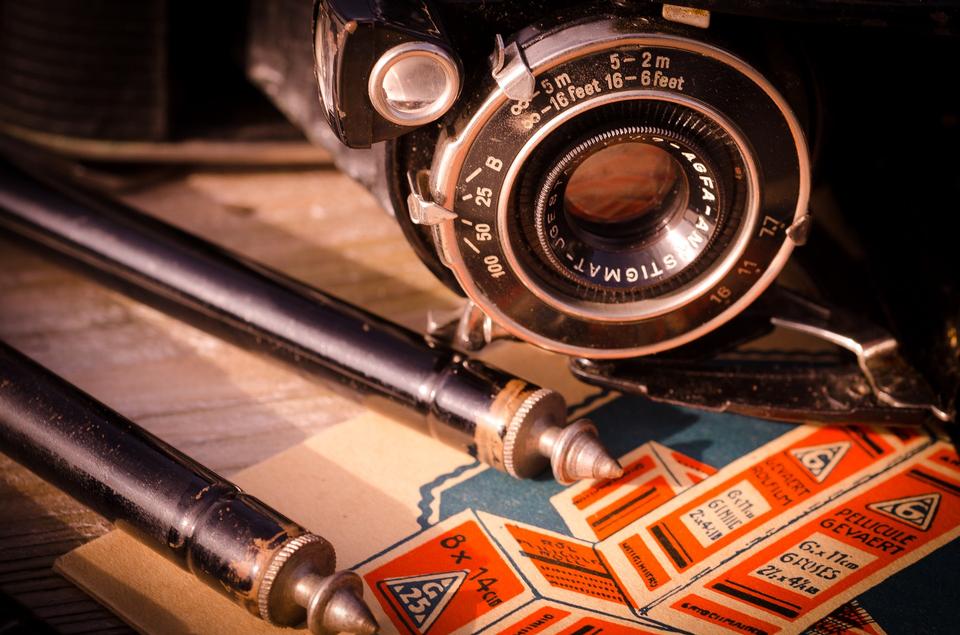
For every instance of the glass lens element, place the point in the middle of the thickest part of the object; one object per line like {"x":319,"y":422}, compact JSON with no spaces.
{"x":414,"y":83}
{"x":622,"y":183}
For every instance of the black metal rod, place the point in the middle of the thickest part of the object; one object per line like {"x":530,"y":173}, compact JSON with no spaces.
{"x":194,"y":517}
{"x":392,"y":367}
{"x":467,"y":404}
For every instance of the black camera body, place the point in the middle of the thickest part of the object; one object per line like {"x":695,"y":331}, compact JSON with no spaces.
{"x":608,"y":183}
{"x":618,"y":179}
{"x":626,"y":182}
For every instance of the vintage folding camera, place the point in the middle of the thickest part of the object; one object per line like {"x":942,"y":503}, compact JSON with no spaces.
{"x":625,"y":183}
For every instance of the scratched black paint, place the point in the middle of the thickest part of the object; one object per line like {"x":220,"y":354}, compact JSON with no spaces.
{"x":172,"y":503}
{"x":388,"y":367}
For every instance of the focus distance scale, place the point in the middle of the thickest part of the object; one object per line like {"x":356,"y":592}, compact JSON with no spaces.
{"x":638,"y":195}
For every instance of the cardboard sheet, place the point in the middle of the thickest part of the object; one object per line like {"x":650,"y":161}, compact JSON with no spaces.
{"x":505,"y":556}
{"x":318,"y":484}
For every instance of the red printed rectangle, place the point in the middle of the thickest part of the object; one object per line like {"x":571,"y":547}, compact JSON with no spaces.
{"x":625,"y":510}
{"x":876,"y":532}
{"x":604,"y":488}
{"x":718,"y":615}
{"x":695,"y":469}
{"x":568,"y":565}
{"x":649,"y":569}
{"x":445,"y":583}
{"x":947,"y":458}
{"x":537,"y":621}
{"x":764,"y":490}
{"x":595,"y":626}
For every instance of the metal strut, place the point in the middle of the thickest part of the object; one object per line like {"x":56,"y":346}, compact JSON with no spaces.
{"x":232,"y":542}
{"x":505,"y":421}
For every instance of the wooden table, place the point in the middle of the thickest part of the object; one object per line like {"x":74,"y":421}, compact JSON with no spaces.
{"x":226,"y":407}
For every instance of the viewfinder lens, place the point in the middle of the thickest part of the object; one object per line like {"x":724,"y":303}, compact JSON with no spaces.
{"x":414,"y":83}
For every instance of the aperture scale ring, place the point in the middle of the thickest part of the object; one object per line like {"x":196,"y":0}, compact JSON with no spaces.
{"x":478,"y":151}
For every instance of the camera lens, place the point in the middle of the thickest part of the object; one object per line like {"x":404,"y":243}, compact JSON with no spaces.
{"x":625,"y":183}
{"x":617,"y":191}
{"x":628,"y":212}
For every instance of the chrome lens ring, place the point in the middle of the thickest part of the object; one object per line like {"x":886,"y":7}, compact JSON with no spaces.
{"x":605,"y":312}
{"x":482,"y":150}
{"x":625,"y":214}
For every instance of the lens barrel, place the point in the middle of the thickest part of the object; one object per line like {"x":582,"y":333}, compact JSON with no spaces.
{"x":639,"y":197}
{"x":646,"y":218}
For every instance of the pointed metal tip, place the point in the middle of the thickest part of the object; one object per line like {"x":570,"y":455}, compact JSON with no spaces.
{"x":335,"y":604}
{"x":576,"y":453}
{"x":347,"y":613}
{"x":608,"y":468}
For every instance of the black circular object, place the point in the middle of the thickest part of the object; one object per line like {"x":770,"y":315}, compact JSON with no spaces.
{"x":573,"y":270}
{"x":664,"y":202}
